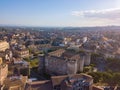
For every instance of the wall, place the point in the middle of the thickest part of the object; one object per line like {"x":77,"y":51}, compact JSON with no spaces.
{"x":3,"y":73}
{"x":87,"y":59}
{"x":55,"y":65}
{"x":72,"y":67}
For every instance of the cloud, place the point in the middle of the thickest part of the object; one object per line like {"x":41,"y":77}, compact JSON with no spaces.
{"x":110,"y":14}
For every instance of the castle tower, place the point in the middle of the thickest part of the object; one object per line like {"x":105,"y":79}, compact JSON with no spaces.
{"x":41,"y":67}
{"x":81,"y":62}
{"x":71,"y":66}
{"x":87,"y":58}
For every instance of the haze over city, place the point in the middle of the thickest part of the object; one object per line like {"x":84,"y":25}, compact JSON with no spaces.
{"x":60,"y":12}
{"x":59,"y":44}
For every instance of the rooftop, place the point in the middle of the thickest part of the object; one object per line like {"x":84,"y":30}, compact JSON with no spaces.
{"x":39,"y":85}
{"x":56,"y":80}
{"x":12,"y":83}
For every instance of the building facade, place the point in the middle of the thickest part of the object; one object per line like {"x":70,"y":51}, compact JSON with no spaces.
{"x":4,"y":45}
{"x":22,"y":53}
{"x":3,"y":72}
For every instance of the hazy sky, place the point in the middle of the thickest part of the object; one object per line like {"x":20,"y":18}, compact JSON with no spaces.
{"x":60,"y":12}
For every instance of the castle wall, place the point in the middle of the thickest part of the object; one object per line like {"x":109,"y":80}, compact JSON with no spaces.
{"x":41,"y":67}
{"x":60,"y":66}
{"x":72,"y":67}
{"x":87,"y":59}
{"x":81,"y":63}
{"x":55,"y":65}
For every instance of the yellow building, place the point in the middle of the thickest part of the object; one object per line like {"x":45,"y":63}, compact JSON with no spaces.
{"x":3,"y":72}
{"x":4,"y":45}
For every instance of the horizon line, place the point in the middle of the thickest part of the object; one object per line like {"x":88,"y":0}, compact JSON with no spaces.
{"x":7,"y":25}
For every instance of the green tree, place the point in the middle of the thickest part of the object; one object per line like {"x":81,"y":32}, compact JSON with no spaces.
{"x":97,"y":76}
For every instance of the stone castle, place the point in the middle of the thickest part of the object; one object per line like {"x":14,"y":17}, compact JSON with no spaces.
{"x":61,"y":62}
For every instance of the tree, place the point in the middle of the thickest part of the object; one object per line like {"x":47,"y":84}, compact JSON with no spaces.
{"x":97,"y":76}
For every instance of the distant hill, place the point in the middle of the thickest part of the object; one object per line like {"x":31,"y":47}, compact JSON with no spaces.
{"x":64,"y":28}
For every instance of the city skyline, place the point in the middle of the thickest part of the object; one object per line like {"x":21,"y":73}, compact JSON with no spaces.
{"x":60,"y":13}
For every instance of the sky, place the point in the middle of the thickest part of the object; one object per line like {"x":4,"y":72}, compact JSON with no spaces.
{"x":60,"y":12}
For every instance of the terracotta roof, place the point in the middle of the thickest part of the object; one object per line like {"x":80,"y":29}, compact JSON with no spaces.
{"x":55,"y":53}
{"x":13,"y":83}
{"x":39,"y":85}
{"x":96,"y":88}
{"x":56,"y":80}
{"x":75,"y":57}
